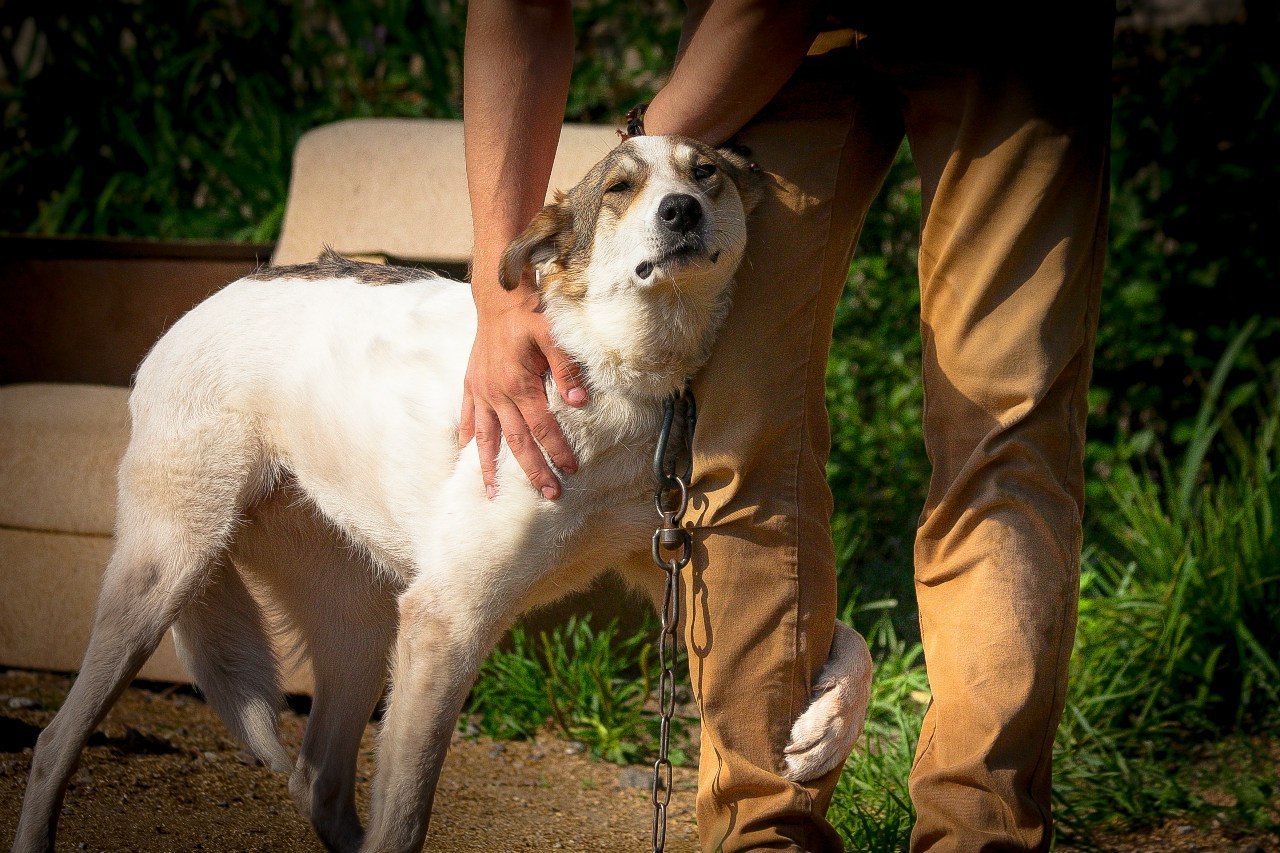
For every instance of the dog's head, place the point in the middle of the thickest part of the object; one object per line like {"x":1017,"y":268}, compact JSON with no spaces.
{"x":658,"y":212}
{"x":635,"y":263}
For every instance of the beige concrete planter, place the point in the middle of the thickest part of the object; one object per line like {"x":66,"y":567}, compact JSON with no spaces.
{"x":76,"y":318}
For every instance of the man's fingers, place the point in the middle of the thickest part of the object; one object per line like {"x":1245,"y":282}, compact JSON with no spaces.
{"x":527,"y":452}
{"x":467,"y":420}
{"x":488,"y":432}
{"x":546,"y":430}
{"x":505,"y":397}
{"x":567,"y":375}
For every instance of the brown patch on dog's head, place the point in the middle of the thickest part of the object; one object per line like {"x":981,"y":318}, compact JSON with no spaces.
{"x":539,"y":244}
{"x":616,"y":182}
{"x":560,"y":237}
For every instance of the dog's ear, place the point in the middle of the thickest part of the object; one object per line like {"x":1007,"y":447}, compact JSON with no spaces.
{"x":536,"y":246}
{"x":745,"y":174}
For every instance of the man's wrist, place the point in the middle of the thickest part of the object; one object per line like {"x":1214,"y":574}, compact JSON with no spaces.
{"x":492,"y":299}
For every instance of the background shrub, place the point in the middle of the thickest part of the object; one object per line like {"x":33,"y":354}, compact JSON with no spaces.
{"x":177,"y":118}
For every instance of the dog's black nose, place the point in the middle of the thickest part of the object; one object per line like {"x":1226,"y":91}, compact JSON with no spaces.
{"x":680,"y":212}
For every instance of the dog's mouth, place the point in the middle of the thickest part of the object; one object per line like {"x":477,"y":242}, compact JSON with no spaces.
{"x":683,"y":254}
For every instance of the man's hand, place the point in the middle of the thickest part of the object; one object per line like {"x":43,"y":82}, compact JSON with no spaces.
{"x":505,"y":395}
{"x":516,"y":65}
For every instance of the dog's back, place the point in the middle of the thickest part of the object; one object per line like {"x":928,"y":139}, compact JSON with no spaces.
{"x":325,"y":379}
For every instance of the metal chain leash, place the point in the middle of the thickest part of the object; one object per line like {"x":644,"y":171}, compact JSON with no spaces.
{"x":671,"y":499}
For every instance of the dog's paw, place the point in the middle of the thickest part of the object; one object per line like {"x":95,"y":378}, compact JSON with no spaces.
{"x":824,"y":735}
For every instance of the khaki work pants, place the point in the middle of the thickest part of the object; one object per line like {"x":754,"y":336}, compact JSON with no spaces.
{"x":1013,"y":165}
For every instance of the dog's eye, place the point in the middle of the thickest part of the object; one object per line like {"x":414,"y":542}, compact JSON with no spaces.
{"x":619,"y":187}
{"x":703,"y":171}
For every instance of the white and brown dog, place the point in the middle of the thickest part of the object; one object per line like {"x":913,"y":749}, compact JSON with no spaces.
{"x":296,"y":433}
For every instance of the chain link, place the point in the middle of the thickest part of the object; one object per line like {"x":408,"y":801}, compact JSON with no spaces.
{"x":672,"y":549}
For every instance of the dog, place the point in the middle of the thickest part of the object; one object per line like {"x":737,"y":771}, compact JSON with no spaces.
{"x":296,"y":434}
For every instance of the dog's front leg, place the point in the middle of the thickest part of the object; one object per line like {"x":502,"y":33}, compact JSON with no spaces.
{"x":433,"y":670}
{"x":444,"y":636}
{"x":476,"y":560}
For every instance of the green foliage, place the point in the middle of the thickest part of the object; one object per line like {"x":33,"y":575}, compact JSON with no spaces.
{"x":623,"y":55}
{"x":510,"y":695}
{"x":1179,"y":621}
{"x":590,"y":685}
{"x":1242,"y":773}
{"x":178,"y":119}
{"x":1198,"y":566}
{"x":1195,"y":124}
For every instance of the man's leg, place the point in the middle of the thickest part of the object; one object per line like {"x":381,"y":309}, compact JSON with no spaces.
{"x":1014,"y":176}
{"x":762,"y":590}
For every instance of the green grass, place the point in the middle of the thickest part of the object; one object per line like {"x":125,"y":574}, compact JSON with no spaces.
{"x":1179,"y":633}
{"x":589,"y":685}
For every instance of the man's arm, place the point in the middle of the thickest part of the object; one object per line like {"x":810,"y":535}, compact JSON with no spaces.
{"x":740,"y":55}
{"x":516,"y":66}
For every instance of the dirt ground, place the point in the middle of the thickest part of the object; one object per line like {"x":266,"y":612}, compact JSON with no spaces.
{"x":163,"y":775}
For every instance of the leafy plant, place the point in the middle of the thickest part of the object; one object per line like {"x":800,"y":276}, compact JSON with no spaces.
{"x":1205,"y":555}
{"x":509,"y":699}
{"x":178,"y":119}
{"x":592,"y":686}
{"x":878,"y":471}
{"x":595,"y":694}
{"x":1195,"y":116}
{"x":1180,"y":614}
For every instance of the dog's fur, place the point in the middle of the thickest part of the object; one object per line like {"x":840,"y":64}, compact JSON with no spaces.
{"x":297,"y":433}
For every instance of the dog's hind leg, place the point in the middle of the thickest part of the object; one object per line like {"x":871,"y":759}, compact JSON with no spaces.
{"x":177,"y":508}
{"x":345,"y":613}
{"x":223,"y":641}
{"x":350,"y":669}
{"x":348,"y":630}
{"x":141,"y":596}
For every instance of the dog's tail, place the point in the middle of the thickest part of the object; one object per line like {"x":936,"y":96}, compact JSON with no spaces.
{"x":824,"y":735}
{"x":224,"y":641}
